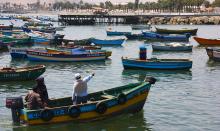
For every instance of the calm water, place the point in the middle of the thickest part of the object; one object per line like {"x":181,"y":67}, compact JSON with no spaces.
{"x":180,"y":100}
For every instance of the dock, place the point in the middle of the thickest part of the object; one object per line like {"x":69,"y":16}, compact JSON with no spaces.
{"x":91,"y":19}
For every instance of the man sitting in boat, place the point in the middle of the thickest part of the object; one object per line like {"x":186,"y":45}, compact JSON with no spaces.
{"x":80,"y":89}
{"x":33,"y":100}
{"x":42,"y":90}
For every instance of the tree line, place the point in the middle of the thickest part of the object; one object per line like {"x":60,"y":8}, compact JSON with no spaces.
{"x":160,"y":5}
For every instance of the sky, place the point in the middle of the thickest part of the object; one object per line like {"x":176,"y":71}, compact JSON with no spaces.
{"x":90,"y":1}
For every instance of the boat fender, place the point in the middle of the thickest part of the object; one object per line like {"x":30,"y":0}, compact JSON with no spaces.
{"x":151,"y":80}
{"x":74,"y":111}
{"x":46,"y":115}
{"x":122,"y":99}
{"x":101,"y":107}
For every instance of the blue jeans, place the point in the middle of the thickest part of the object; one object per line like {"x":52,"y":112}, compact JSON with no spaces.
{"x":80,"y":99}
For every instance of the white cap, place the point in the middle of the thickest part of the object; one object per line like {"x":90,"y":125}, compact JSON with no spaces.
{"x":77,"y":76}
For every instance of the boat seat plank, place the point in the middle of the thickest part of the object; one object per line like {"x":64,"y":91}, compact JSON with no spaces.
{"x":107,"y":96}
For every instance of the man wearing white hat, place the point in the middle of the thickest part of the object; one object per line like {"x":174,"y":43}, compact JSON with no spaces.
{"x":80,"y":89}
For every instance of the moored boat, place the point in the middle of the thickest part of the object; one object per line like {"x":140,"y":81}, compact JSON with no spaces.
{"x":176,"y":31}
{"x":64,"y":56}
{"x":25,"y":73}
{"x":172,"y":47}
{"x":140,"y":27}
{"x":158,"y":64}
{"x":135,"y":36}
{"x":154,"y":63}
{"x":213,"y":53}
{"x":116,"y":33}
{"x":151,"y":36}
{"x":205,"y":41}
{"x":103,"y":104}
{"x":87,"y":47}
{"x":107,"y":41}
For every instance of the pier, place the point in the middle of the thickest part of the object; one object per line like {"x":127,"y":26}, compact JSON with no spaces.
{"x":91,"y":19}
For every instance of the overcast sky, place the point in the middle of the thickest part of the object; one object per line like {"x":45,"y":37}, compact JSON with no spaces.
{"x":90,"y":1}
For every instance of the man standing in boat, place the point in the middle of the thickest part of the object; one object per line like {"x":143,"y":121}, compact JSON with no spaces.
{"x":80,"y":89}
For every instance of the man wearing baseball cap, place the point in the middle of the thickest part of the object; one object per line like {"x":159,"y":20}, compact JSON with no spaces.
{"x":80,"y":89}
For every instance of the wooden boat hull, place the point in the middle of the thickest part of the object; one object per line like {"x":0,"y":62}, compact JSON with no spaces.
{"x":116,"y":33}
{"x":135,"y":100}
{"x":16,"y":40}
{"x":171,"y":48}
{"x":157,"y":37}
{"x":180,"y":31}
{"x":61,"y":57}
{"x":19,"y":74}
{"x":204,"y":41}
{"x":157,"y":64}
{"x":213,"y":53}
{"x":107,"y":42}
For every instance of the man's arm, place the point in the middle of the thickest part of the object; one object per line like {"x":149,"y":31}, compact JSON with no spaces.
{"x":86,"y":79}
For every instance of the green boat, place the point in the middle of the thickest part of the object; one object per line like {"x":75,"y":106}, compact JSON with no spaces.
{"x":176,"y":31}
{"x":101,"y":105}
{"x":25,"y":73}
{"x":18,"y":40}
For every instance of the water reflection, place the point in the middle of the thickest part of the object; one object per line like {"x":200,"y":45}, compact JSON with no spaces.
{"x":160,"y":74}
{"x":124,"y":122}
{"x":63,"y":65}
{"x":13,"y":86}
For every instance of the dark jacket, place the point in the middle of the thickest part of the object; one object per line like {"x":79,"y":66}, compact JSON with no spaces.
{"x":42,"y":90}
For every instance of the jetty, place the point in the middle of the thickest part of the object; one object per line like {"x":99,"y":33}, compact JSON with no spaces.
{"x":91,"y":19}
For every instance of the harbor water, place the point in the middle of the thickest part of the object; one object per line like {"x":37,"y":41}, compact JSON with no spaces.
{"x":180,"y":100}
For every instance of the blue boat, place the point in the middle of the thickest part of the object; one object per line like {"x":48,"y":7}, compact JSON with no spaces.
{"x":166,"y":64}
{"x":64,"y":56}
{"x":117,"y":33}
{"x":155,"y":63}
{"x":21,"y":52}
{"x":158,"y":37}
{"x":135,"y":36}
{"x":107,"y":42}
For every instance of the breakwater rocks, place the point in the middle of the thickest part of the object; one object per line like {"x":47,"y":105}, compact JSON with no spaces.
{"x":183,"y":20}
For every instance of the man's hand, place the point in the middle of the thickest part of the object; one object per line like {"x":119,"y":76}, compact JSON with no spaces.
{"x":93,"y":74}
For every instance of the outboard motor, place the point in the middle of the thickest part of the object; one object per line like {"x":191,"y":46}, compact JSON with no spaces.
{"x":15,"y":104}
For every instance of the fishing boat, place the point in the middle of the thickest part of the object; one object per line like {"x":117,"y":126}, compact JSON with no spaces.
{"x":205,"y":41}
{"x":73,"y":46}
{"x":154,"y":63}
{"x":106,"y":41}
{"x":152,"y":36}
{"x":139,"y":36}
{"x":19,"y":39}
{"x":104,"y":104}
{"x":140,"y":27}
{"x":213,"y":53}
{"x":6,"y":27}
{"x":22,"y":52}
{"x":176,"y":31}
{"x":116,"y":33}
{"x":58,"y":56}
{"x":158,"y":64}
{"x":172,"y":47}
{"x":79,"y":51}
{"x":25,"y":73}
